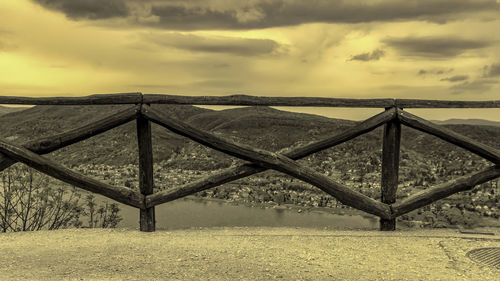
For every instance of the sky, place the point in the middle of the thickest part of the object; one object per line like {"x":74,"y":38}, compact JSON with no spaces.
{"x":429,"y":49}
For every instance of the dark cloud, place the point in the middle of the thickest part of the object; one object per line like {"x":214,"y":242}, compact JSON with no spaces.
{"x":434,"y":47}
{"x":477,"y":86}
{"x":422,"y":72}
{"x":438,"y":71}
{"x":272,"y":13}
{"x":492,"y":70}
{"x":88,"y":9}
{"x":180,"y":17}
{"x":375,"y":55}
{"x":456,"y":78}
{"x":216,"y":44}
{"x":215,"y":14}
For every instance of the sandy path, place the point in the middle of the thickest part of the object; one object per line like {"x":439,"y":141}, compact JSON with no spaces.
{"x":243,"y":254}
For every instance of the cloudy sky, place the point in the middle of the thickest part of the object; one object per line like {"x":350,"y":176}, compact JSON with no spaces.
{"x":431,"y":49}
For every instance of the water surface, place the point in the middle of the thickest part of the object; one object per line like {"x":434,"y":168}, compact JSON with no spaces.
{"x":192,"y":213}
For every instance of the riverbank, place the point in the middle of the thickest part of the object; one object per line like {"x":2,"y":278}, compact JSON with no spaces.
{"x":481,"y":222}
{"x":469,"y":209}
{"x":188,"y":213}
{"x":292,"y":207}
{"x":243,"y":254}
{"x":196,"y":212}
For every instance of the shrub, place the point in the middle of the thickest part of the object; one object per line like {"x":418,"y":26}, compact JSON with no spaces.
{"x":29,"y":201}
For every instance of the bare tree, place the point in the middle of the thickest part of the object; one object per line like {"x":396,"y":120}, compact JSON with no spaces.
{"x":29,"y":201}
{"x":105,"y":216}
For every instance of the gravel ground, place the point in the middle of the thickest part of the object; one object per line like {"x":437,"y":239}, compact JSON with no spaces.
{"x":243,"y":254}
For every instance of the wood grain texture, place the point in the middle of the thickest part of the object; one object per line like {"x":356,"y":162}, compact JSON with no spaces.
{"x":135,"y":98}
{"x":246,"y":170}
{"x":267,"y":101}
{"x":222,"y":177}
{"x":427,"y":196}
{"x":390,"y":168}
{"x":361,"y":128}
{"x":146,"y":182}
{"x":120,"y":98}
{"x":121,"y":194}
{"x":55,"y":142}
{"x":450,"y":136}
{"x":414,"y":103}
{"x":272,"y":161}
{"x":316,"y":101}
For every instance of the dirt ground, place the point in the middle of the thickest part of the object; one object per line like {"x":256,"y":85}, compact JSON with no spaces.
{"x":243,"y":254}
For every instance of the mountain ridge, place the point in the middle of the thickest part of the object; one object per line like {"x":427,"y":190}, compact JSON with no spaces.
{"x":473,"y":122}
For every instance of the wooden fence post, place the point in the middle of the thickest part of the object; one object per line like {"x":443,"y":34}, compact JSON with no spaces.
{"x":390,"y":168}
{"x":147,"y":215}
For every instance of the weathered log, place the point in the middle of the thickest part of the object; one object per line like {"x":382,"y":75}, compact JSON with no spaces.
{"x":121,"y":194}
{"x":362,"y":128}
{"x":245,"y":170}
{"x":121,"y":98}
{"x":316,"y":101}
{"x":130,"y":98}
{"x":450,"y":136}
{"x":55,"y":142}
{"x":147,"y":215}
{"x":272,"y":161}
{"x":427,"y":196}
{"x":225,"y":176}
{"x":267,"y":101}
{"x":390,"y":168}
{"x":411,"y":103}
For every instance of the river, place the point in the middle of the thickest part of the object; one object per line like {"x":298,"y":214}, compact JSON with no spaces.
{"x":195,"y":213}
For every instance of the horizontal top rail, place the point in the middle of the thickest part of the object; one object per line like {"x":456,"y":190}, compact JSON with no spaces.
{"x":121,"y":98}
{"x":268,"y":101}
{"x":411,"y":103}
{"x":245,"y":100}
{"x":315,"y":101}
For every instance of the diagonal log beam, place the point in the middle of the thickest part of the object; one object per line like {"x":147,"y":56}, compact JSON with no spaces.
{"x":246,"y":170}
{"x":225,"y":176}
{"x":121,"y":194}
{"x":55,"y":142}
{"x":425,"y":197}
{"x":364,"y":127}
{"x":272,"y":161}
{"x":450,"y":136}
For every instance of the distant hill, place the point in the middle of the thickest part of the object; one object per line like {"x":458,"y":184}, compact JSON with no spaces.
{"x":7,"y":109}
{"x":262,"y":127}
{"x":480,"y":122}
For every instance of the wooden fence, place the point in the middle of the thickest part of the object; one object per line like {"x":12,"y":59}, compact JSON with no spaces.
{"x":258,"y":160}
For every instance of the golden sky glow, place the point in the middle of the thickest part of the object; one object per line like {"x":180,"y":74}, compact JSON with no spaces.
{"x":439,"y":49}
